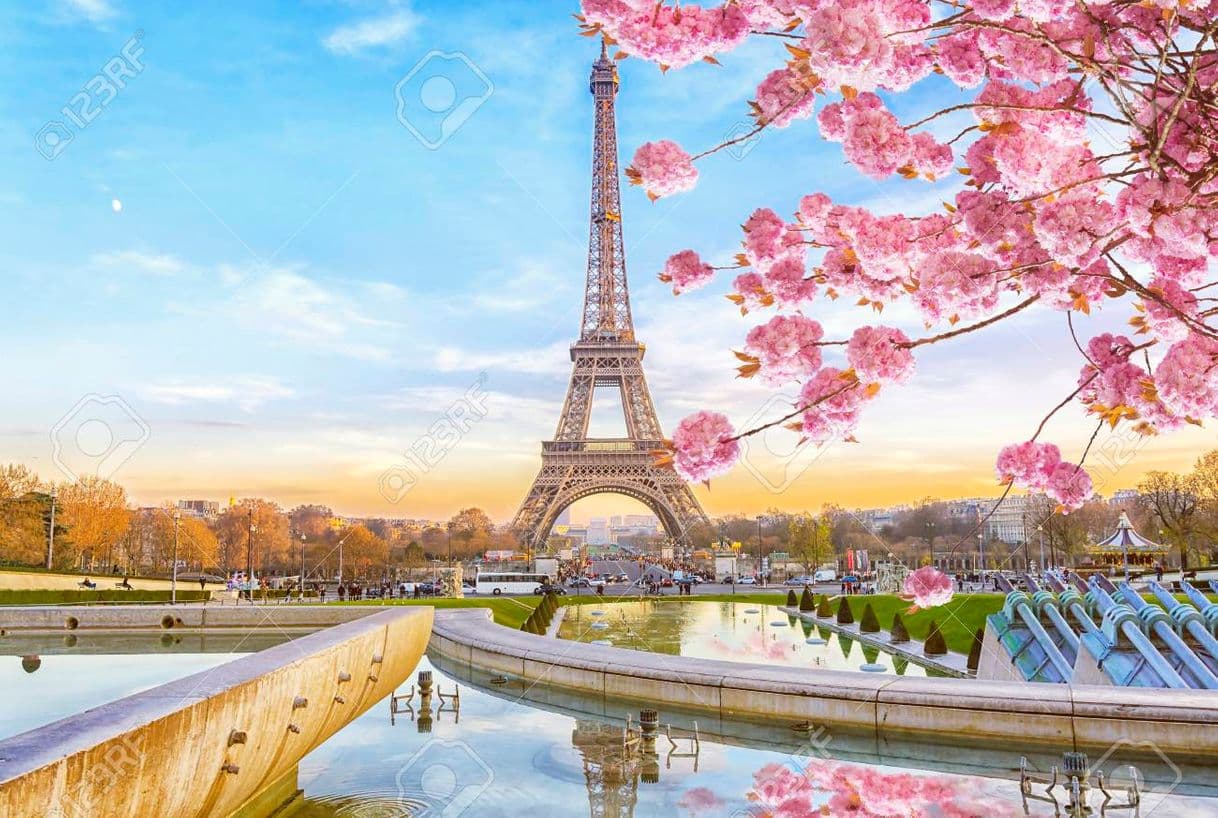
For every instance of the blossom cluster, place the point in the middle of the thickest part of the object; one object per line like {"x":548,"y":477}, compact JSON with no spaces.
{"x":1085,"y":181}
{"x":829,"y":787}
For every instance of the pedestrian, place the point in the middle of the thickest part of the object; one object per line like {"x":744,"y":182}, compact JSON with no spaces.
{"x":342,"y":592}
{"x":202,"y":582}
{"x":321,"y":594}
{"x":1158,"y":572}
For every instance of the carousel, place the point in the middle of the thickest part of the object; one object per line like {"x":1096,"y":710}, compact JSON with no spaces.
{"x":1125,"y":547}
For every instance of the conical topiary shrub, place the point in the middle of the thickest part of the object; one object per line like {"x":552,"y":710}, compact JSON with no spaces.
{"x":935,"y":645}
{"x":869,"y":623}
{"x":898,"y":632}
{"x":844,"y":615}
{"x":807,"y":602}
{"x":974,"y":652}
{"x":791,"y":600}
{"x":824,"y":610}
{"x":900,"y":664}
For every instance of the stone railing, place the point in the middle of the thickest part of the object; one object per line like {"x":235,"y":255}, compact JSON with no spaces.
{"x":214,"y":742}
{"x":893,"y":708}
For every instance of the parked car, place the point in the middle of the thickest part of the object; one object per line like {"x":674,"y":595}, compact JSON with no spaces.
{"x":747,"y":581}
{"x":578,"y":582}
{"x":826,"y":575}
{"x":666,"y":582}
{"x":427,"y":589}
{"x":797,"y":581}
{"x":621,"y":578}
{"x":548,"y":588}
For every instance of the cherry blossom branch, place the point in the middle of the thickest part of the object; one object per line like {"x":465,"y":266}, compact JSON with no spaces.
{"x":973,"y":327}
{"x":796,"y":413}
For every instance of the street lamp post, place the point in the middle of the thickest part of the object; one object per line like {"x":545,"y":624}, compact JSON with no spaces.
{"x":173,"y":583}
{"x":51,"y":533}
{"x":302,"y":568}
{"x":760,"y":571}
{"x":249,"y":557}
{"x":1041,"y":531}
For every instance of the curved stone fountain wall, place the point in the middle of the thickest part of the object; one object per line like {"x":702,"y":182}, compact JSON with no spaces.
{"x":894,"y":708}
{"x":211,"y":743}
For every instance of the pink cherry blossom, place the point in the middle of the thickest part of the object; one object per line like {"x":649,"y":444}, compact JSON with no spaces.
{"x":750,"y":292}
{"x":767,"y":238}
{"x":878,"y":355}
{"x":1069,"y":485}
{"x":700,"y":800}
{"x":662,"y":168}
{"x":927,"y":587}
{"x":787,"y":279}
{"x":703,"y":446}
{"x":686,"y":271}
{"x":1029,"y":465}
{"x":786,"y":347}
{"x":1049,"y":211}
{"x":1187,"y":377}
{"x":674,"y":35}
{"x":833,"y":401}
{"x":784,"y":96}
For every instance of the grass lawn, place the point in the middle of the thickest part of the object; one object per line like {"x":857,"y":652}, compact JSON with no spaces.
{"x":507,"y":610}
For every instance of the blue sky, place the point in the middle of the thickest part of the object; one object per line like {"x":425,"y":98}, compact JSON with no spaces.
{"x":295,"y":287}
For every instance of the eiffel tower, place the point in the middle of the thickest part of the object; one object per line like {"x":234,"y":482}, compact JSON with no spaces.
{"x":573,"y":465}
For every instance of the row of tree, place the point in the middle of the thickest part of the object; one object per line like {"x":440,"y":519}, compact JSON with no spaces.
{"x":98,"y":529}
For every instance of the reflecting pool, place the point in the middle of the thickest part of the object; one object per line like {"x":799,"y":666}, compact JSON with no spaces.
{"x":518,"y":749}
{"x":46,"y":677}
{"x":513,"y":748}
{"x":733,"y":631}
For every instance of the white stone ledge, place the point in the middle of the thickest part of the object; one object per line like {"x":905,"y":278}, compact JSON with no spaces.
{"x":162,"y":751}
{"x":889,"y":709}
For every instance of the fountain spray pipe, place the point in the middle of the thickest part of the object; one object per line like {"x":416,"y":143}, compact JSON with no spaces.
{"x":1017,"y":602}
{"x":1156,"y":620}
{"x":1073,"y":602}
{"x":1208,"y":609}
{"x":1119,"y":617}
{"x":1186,"y":617}
{"x":1048,"y":605}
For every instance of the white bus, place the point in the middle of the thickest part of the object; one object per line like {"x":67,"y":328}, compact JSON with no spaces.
{"x":503,"y":583}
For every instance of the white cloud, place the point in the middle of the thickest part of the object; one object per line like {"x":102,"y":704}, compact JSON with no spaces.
{"x":245,"y":391}
{"x":535,"y":283}
{"x":372,"y":32}
{"x":284,"y":303}
{"x":152,"y":263}
{"x":551,"y":360}
{"x":95,"y":11}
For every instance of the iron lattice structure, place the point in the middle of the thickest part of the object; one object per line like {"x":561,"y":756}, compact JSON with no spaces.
{"x":610,"y":771}
{"x":574,"y":466}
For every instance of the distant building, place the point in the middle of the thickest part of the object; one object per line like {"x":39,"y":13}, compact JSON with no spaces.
{"x":877,"y":519}
{"x":1005,"y":522}
{"x":1125,"y":498}
{"x":598,"y":531}
{"x":207,"y":509}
